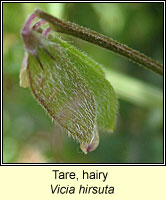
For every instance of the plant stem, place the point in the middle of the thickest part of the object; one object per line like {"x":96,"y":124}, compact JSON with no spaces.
{"x":102,"y":41}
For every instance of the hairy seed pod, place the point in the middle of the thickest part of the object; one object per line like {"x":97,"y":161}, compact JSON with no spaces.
{"x":58,"y":86}
{"x":69,"y":85}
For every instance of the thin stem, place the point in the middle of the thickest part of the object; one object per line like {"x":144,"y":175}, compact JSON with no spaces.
{"x":101,"y":40}
{"x":28,"y":23}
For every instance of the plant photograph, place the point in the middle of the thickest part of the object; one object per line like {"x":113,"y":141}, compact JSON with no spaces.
{"x":83,"y":83}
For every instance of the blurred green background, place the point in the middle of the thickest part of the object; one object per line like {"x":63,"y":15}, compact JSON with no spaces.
{"x":29,"y":136}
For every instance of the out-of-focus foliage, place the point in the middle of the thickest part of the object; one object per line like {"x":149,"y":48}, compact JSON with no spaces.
{"x":29,"y":135}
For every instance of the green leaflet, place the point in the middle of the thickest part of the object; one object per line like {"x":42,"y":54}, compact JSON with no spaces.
{"x":105,"y":97}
